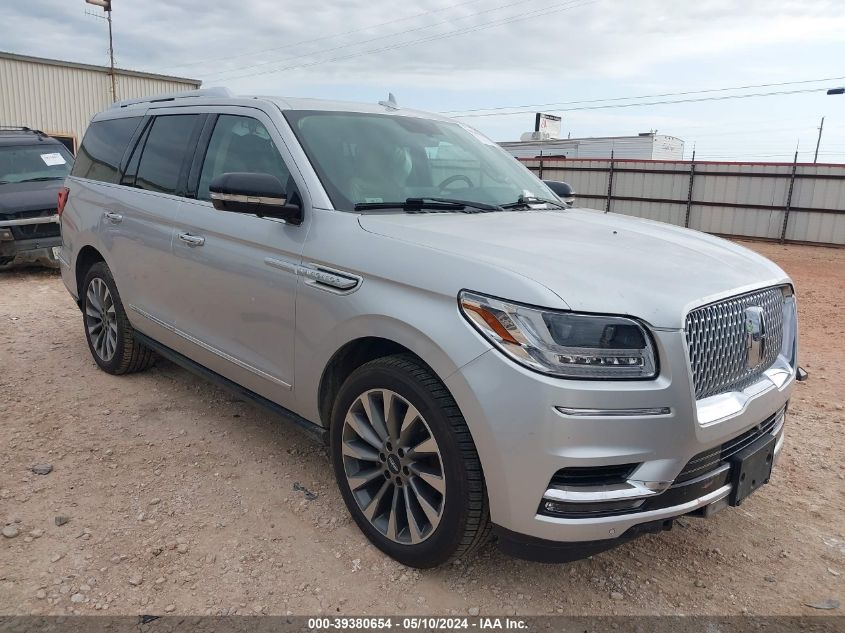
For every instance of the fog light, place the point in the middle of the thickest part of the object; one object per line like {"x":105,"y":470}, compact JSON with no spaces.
{"x":6,"y":235}
{"x":583,"y":510}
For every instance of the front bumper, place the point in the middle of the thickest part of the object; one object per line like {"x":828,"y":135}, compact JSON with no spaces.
{"x":527,"y":427}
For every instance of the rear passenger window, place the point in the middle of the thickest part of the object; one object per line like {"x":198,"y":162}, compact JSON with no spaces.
{"x":162,"y":157}
{"x":103,"y":147}
{"x":240,"y":144}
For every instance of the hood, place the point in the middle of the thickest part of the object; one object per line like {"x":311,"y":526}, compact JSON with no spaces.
{"x":595,"y":262}
{"x":28,"y":196}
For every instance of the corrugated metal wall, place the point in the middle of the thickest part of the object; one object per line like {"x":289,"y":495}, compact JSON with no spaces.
{"x":738,"y":199}
{"x":62,"y":99}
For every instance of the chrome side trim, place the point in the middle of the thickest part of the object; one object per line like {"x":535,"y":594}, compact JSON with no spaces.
{"x":288,"y":267}
{"x":45,"y":219}
{"x":650,"y":412}
{"x":235,"y":197}
{"x":210,"y":348}
{"x":318,"y":276}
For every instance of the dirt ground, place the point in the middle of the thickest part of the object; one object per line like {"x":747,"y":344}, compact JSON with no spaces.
{"x":181,"y":498}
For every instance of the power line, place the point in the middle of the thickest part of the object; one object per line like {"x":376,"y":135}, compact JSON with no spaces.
{"x":372,"y":39}
{"x":654,"y":96}
{"x":645,"y":103}
{"x":327,"y":37}
{"x":479,"y":27}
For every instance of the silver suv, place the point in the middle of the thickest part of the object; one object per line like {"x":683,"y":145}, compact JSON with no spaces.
{"x":480,"y":360}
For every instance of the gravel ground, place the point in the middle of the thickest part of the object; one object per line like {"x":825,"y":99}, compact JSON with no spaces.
{"x":175,"y":496}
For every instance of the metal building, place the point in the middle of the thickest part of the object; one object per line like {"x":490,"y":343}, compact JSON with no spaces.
{"x":60,"y":97}
{"x":645,"y":146}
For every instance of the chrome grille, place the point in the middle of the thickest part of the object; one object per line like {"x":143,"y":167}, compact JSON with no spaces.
{"x":716,"y":340}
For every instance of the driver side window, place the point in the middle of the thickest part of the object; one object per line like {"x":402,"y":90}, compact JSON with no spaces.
{"x":240,"y":144}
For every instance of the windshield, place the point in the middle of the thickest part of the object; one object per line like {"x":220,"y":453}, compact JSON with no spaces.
{"x":22,"y":163}
{"x":366,"y":158}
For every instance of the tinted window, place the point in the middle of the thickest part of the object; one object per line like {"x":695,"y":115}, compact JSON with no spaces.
{"x":27,"y":163}
{"x":131,"y":170}
{"x":102,"y":148}
{"x":240,"y":144}
{"x":168,"y":142}
{"x":372,"y":158}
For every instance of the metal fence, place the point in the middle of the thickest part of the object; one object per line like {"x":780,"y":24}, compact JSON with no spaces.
{"x":787,"y":202}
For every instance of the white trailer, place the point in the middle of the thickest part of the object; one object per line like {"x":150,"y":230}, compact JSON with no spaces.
{"x":646,"y":146}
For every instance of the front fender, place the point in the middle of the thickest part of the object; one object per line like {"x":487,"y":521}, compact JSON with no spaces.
{"x":429,"y":326}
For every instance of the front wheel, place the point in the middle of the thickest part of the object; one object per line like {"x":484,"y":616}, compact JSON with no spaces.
{"x":406,"y":464}
{"x":110,"y":336}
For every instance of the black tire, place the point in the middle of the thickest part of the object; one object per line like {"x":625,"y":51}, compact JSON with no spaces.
{"x":129,"y":355}
{"x":465,"y":522}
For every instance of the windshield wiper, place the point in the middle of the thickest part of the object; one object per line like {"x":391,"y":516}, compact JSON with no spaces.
{"x":422,"y":205}
{"x":525,"y":201}
{"x":42,"y":179}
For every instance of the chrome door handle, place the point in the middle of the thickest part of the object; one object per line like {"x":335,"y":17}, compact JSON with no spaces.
{"x":192,"y":240}
{"x":114,"y":218}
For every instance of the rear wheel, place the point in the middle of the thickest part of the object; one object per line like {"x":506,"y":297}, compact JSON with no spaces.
{"x":406,"y":463}
{"x":110,"y":336}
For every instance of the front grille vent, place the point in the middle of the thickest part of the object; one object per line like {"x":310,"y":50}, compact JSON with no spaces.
{"x":716,"y":339}
{"x":710,"y":459}
{"x":593,"y":475}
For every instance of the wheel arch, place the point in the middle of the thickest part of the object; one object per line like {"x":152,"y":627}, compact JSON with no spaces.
{"x":87,"y":257}
{"x":369,"y":336}
{"x":347,"y":359}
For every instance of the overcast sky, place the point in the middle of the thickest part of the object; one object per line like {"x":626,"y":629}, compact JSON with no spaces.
{"x":458,"y":56}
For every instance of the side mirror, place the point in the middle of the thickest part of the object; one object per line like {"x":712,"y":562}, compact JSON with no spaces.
{"x":562,"y":190}
{"x":257,"y":194}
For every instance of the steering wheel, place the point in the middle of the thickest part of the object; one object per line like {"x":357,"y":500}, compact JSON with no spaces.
{"x":455,"y":178}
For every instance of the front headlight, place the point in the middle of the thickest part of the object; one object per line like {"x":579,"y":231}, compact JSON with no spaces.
{"x":565,"y":344}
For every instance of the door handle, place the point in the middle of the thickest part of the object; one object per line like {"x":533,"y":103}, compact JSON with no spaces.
{"x":114,"y":218}
{"x":192,"y":240}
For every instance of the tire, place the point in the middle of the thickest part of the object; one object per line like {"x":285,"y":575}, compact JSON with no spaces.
{"x":422,"y":446}
{"x":113,"y":343}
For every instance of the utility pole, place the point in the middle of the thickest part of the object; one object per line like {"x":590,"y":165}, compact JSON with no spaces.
{"x":819,"y":142}
{"x":111,"y":57}
{"x":106,"y":5}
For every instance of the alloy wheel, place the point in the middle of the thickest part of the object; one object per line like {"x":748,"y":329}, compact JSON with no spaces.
{"x":101,"y":319}
{"x":393,"y":466}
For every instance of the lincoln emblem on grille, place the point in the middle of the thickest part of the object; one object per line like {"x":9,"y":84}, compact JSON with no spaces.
{"x":755,"y":336}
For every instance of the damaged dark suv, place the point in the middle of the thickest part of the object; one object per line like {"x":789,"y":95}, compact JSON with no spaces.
{"x":32,"y":168}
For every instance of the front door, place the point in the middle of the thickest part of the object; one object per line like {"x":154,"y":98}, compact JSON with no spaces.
{"x":236,"y":273}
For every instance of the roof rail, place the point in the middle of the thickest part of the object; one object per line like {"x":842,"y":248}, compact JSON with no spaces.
{"x":20,"y":128}
{"x":172,"y":96}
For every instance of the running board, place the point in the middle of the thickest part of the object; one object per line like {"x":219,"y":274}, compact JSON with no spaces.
{"x":309,"y":428}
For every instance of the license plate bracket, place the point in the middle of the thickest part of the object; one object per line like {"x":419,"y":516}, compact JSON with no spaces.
{"x":751,"y":468}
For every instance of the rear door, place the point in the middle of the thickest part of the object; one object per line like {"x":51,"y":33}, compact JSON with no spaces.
{"x":138,"y":222}
{"x":236,"y":273}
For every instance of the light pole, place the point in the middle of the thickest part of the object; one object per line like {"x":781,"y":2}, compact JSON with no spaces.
{"x":832,"y":91}
{"x":106,"y":5}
